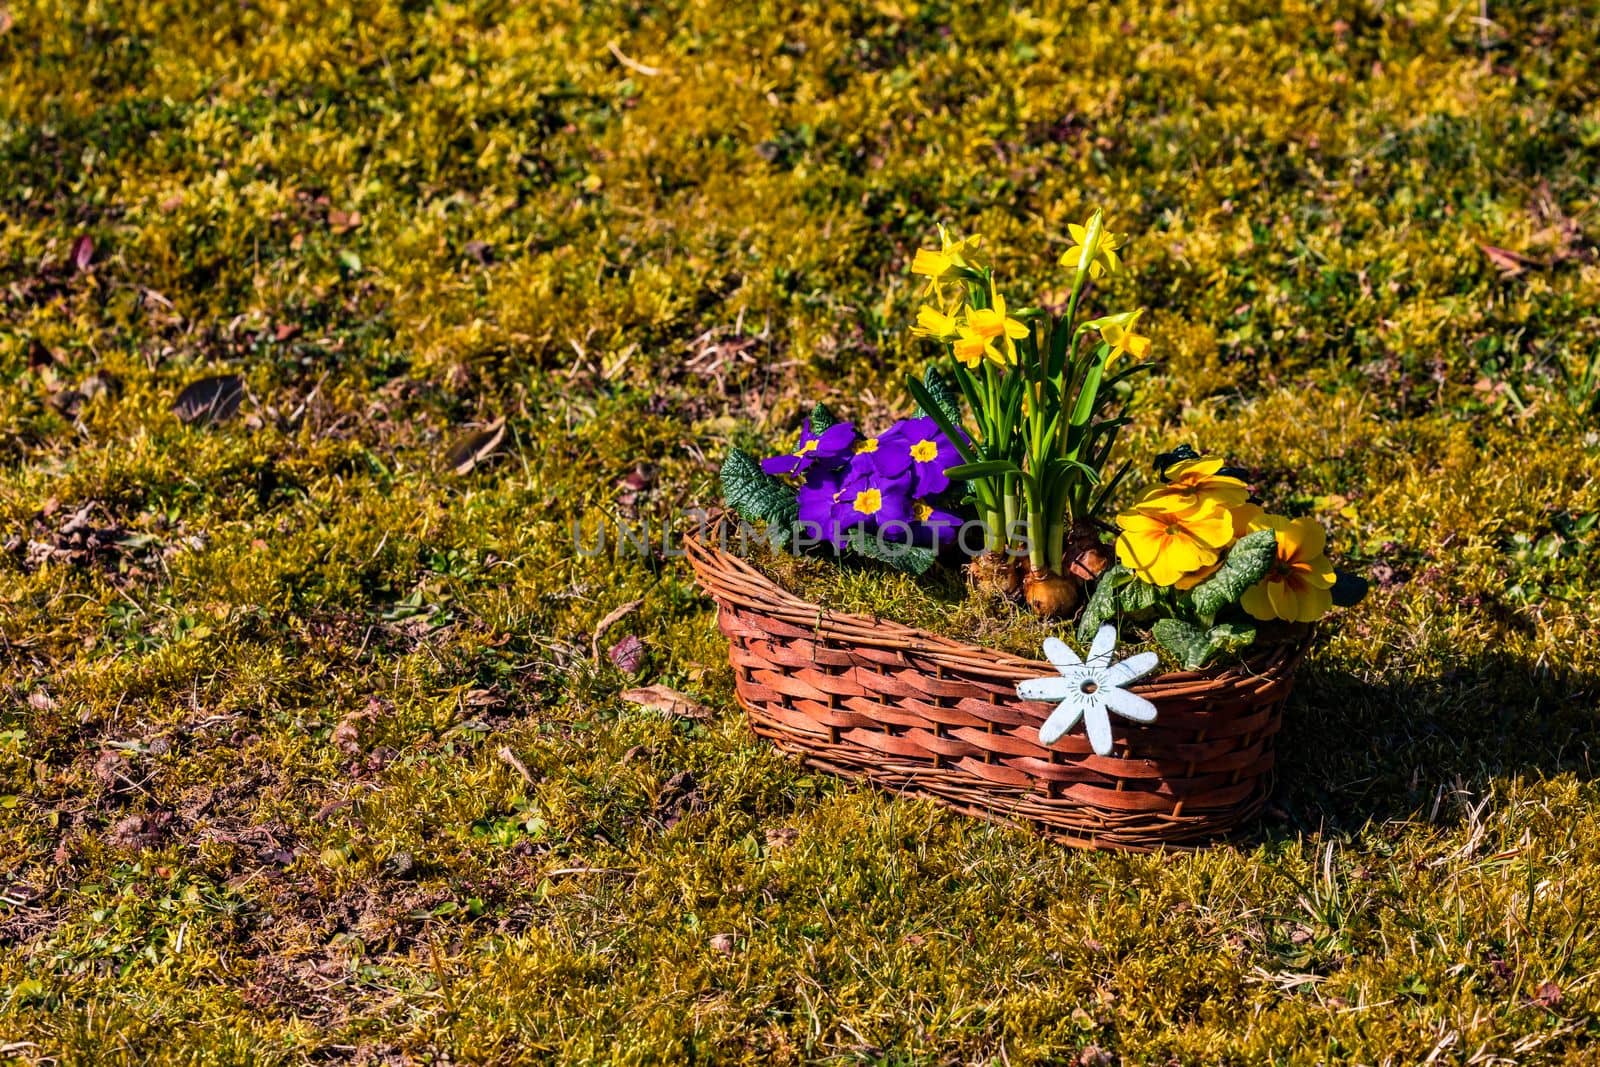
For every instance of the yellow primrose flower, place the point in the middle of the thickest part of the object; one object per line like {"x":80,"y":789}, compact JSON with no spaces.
{"x":1246,"y":518}
{"x":931,"y":322}
{"x":1161,"y":545}
{"x":1196,"y":479}
{"x":1194,"y":578}
{"x":1102,"y":257}
{"x":938,"y":266}
{"x":1299,"y":583}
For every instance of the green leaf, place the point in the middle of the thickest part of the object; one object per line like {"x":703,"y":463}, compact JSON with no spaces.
{"x":821,"y":418}
{"x":1194,"y":647}
{"x":1348,"y":589}
{"x":925,"y":400}
{"x":907,"y":558}
{"x":943,"y":397}
{"x":1186,"y":641}
{"x":1246,"y":564}
{"x":986,"y":469}
{"x":1232,"y":636}
{"x":1137,"y":597}
{"x":755,"y":494}
{"x":1102,"y":605}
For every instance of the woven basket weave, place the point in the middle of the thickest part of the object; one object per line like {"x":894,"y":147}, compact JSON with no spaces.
{"x":917,"y":713}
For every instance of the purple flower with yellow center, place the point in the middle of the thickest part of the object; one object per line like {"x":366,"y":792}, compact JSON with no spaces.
{"x":827,"y":447}
{"x":869,"y":497}
{"x":918,"y":445}
{"x":943,"y":526}
{"x":816,"y":501}
{"x":886,"y":453}
{"x":930,"y":525}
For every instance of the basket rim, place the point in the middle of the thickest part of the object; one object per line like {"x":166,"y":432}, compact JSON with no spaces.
{"x":731,"y":578}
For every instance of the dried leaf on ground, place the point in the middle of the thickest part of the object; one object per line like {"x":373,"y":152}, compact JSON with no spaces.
{"x":627,"y":655}
{"x":82,"y":253}
{"x":209,"y":400}
{"x":471,"y":449}
{"x":614,"y":616}
{"x":669,"y":702}
{"x":1508,"y":263}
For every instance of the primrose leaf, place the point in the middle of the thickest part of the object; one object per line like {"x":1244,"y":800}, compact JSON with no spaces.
{"x":909,"y":559}
{"x":821,"y":418}
{"x":755,"y":494}
{"x":1246,"y":564}
{"x":1186,"y":641}
{"x":1102,"y":605}
{"x":1194,"y":647}
{"x":939,"y":391}
{"x":1348,"y":589}
{"x":1232,"y":636}
{"x":1137,"y":597}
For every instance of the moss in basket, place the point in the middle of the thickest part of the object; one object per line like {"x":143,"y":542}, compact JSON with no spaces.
{"x":940,"y":601}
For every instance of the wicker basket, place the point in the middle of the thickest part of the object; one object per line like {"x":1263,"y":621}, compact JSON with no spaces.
{"x":917,"y":713}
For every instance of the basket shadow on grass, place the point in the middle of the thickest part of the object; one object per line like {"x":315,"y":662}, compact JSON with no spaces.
{"x":1353,"y":752}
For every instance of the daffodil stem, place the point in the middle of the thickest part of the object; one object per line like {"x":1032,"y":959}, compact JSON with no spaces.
{"x":1054,"y":549}
{"x":1013,"y":511}
{"x":1038,"y":551}
{"x":993,"y":531}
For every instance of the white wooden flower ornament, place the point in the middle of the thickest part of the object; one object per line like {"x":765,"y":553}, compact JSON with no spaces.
{"x":1088,"y":689}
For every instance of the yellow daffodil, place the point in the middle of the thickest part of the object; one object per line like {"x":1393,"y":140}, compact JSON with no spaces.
{"x":939,"y":266}
{"x":971,"y":347}
{"x":1101,"y":253}
{"x":1124,"y":341}
{"x":941,"y":326}
{"x":1161,"y":545}
{"x":1298,"y":585}
{"x":1191,"y":480}
{"x":992,"y":324}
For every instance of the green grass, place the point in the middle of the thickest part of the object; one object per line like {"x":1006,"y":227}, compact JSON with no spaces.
{"x":253,"y":705}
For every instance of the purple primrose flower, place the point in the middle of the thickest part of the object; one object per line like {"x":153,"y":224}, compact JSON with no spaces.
{"x":870,"y":498}
{"x":816,"y":501}
{"x":827,"y":447}
{"x":920,"y":446}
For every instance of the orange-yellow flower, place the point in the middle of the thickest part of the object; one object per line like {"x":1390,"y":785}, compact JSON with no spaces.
{"x":1164,"y":544}
{"x":1297,"y":586}
{"x":1191,"y":480}
{"x":1246,"y":518}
